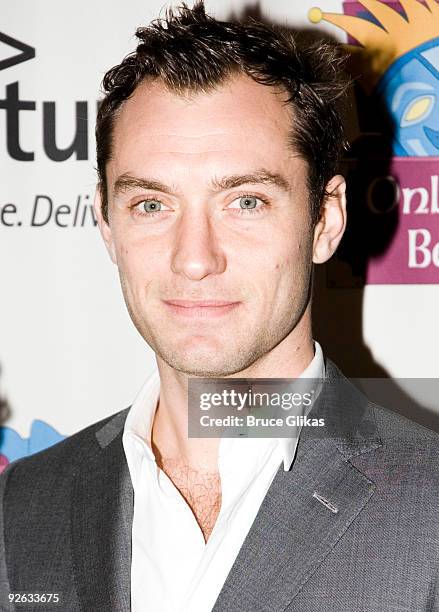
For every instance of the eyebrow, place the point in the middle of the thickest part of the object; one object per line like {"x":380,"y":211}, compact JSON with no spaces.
{"x":255,"y":178}
{"x":126,"y":181}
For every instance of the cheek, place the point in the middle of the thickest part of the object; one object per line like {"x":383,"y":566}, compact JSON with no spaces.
{"x":290,"y":269}
{"x":292,"y":257}
{"x":135,"y":258}
{"x":285,"y":270}
{"x":136,"y":269}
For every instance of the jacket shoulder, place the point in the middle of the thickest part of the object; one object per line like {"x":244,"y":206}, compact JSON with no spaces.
{"x":405,"y":460}
{"x":386,"y":424}
{"x":60,"y":460}
{"x":394,"y":427}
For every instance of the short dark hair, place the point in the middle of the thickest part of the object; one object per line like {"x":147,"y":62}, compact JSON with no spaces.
{"x":190,"y":51}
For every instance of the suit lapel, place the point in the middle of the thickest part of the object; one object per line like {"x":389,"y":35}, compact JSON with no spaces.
{"x":306,"y":509}
{"x":102,"y":510}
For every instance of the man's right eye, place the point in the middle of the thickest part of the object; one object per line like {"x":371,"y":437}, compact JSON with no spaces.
{"x":148,"y":207}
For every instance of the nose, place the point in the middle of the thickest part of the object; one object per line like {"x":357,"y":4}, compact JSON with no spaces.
{"x":196,"y":252}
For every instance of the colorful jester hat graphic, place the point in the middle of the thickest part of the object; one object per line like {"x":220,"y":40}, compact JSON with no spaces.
{"x":399,"y":61}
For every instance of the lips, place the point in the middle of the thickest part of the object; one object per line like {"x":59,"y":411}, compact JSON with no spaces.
{"x":199,"y":303}
{"x":200,"y":309}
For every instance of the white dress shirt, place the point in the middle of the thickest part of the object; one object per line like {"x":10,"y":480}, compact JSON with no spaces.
{"x":172,"y":568}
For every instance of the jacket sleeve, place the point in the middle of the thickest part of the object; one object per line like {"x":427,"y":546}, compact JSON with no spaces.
{"x":5,"y":590}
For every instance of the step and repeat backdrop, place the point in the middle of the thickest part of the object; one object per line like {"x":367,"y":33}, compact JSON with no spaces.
{"x":69,"y":354}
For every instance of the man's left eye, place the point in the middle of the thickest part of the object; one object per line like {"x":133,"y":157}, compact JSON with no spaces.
{"x":246,"y":202}
{"x":150,"y":206}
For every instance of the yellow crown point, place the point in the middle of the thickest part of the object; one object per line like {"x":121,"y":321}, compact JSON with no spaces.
{"x":315,"y":15}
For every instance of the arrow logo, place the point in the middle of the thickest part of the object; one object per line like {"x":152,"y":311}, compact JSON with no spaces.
{"x":26,"y":52}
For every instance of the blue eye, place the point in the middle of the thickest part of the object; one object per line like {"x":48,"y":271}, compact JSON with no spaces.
{"x":248,"y":202}
{"x":151,"y":205}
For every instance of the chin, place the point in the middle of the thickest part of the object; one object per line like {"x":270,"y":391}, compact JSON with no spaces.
{"x":206,"y":356}
{"x":205,"y":364}
{"x":204,"y":368}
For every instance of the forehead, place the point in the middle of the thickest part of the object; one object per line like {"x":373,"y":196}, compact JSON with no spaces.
{"x":240,"y":118}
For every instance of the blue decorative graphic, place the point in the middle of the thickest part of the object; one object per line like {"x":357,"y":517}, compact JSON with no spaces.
{"x":410,"y":89}
{"x":13,"y":446}
{"x":397,"y":56}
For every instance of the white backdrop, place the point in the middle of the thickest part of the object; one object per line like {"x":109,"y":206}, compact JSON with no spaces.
{"x":69,"y":354}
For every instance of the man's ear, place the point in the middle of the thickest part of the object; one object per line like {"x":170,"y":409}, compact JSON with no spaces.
{"x":103,"y":225}
{"x":332,"y":223}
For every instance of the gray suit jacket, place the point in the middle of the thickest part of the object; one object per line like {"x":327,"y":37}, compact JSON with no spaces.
{"x":67,"y":515}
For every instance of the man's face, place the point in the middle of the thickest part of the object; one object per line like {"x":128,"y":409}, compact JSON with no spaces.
{"x":207,"y":201}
